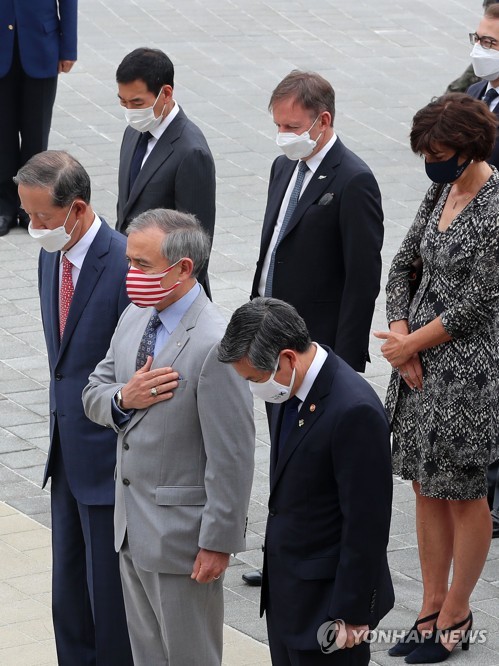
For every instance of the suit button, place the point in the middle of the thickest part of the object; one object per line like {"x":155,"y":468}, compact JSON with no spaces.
{"x":126,"y":482}
{"x":126,"y":446}
{"x":11,"y":27}
{"x":272,"y":512}
{"x":58,"y":377}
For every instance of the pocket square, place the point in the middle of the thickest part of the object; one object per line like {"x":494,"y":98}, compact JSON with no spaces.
{"x":326,"y":199}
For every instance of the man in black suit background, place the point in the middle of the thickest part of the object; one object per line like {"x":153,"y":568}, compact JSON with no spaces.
{"x":323,"y":226}
{"x":485,"y":61}
{"x":330,"y":455}
{"x":165,"y":161}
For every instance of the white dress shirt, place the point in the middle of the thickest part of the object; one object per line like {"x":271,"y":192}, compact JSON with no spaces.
{"x":311,"y":375}
{"x":495,"y":101}
{"x":157,"y":133}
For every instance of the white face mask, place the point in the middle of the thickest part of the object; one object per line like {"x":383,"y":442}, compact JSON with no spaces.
{"x":485,"y":62}
{"x":53,"y":240}
{"x":144,"y":120}
{"x":272,"y":391}
{"x":297,"y":146}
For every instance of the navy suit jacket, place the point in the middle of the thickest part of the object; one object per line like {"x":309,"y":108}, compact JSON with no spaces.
{"x":477,"y":90}
{"x":46,"y":32}
{"x":329,"y":511}
{"x":328,"y":263}
{"x":88,"y":450}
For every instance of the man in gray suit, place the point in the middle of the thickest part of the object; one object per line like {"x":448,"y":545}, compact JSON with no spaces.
{"x":185,"y":465}
{"x":165,"y":161}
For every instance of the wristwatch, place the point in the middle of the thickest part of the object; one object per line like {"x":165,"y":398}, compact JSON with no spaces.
{"x":118,"y":398}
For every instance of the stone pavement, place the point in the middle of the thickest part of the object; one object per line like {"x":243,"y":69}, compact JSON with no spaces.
{"x":385,"y":59}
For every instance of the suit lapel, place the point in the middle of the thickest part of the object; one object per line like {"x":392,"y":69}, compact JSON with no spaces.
{"x":319,"y":183}
{"x":307,"y":418}
{"x":160,"y":153}
{"x":174,"y":345}
{"x":90,"y":273}
{"x":279,"y":187}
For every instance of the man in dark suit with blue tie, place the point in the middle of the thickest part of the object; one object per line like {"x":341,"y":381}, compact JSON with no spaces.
{"x":82,"y":270}
{"x":37,"y":42}
{"x":330,"y":455}
{"x":323,"y":227}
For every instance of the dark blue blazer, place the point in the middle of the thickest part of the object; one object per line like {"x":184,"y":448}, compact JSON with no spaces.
{"x":46,"y":31}
{"x":477,"y":90}
{"x":88,"y":450}
{"x":329,"y":511}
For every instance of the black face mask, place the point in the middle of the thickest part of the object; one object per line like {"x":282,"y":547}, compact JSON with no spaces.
{"x":447,"y":171}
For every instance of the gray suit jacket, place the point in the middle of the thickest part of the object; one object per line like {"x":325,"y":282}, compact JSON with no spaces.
{"x":184,"y":466}
{"x":178,"y":174}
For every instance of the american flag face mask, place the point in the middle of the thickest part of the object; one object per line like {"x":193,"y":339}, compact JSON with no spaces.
{"x":145,"y":290}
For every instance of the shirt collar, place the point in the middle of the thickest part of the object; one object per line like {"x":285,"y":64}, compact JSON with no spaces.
{"x":78,"y":252}
{"x":171,"y":316}
{"x":166,"y":122}
{"x":311,"y":374}
{"x":314,"y":161}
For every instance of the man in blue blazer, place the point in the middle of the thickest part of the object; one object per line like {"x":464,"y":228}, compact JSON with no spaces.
{"x":37,"y":42}
{"x":82,"y":270}
{"x":324,"y":559}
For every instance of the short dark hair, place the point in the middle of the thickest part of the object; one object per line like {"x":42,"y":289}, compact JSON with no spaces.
{"x":457,"y":121}
{"x":309,"y":89}
{"x":58,"y":172}
{"x":259,"y":330}
{"x":149,"y":65}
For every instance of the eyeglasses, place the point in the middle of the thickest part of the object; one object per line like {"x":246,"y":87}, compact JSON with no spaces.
{"x":485,"y":42}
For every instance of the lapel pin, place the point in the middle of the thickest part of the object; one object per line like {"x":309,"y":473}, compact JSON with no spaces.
{"x":321,"y":177}
{"x":312,"y":408}
{"x":301,"y":422}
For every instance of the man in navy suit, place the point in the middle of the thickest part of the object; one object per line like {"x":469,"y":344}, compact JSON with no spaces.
{"x":82,"y":270}
{"x":37,"y":42}
{"x":330,"y":455}
{"x":323,"y":226}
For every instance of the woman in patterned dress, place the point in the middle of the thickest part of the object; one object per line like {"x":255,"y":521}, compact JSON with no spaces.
{"x":443,"y":345}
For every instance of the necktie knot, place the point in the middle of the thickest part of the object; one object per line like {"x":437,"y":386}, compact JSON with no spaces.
{"x":490,"y":96}
{"x":302,"y":166}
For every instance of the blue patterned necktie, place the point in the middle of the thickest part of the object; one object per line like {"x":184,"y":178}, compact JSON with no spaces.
{"x":138,"y":157}
{"x":289,"y":417}
{"x":146,"y":347}
{"x":490,"y":96}
{"x":293,"y":202}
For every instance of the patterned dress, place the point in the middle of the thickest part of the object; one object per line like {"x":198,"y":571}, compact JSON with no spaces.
{"x":445,"y":435}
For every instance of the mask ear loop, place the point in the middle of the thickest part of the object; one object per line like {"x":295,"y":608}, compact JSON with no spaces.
{"x":67,"y":217}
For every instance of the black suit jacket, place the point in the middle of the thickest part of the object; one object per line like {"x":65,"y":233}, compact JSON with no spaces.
{"x":328,"y":264}
{"x":477,"y":90}
{"x":88,"y":450}
{"x":178,"y":174}
{"x":329,"y":511}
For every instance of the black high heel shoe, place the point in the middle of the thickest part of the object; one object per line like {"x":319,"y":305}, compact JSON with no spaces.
{"x":431,"y":650}
{"x":412,"y":639}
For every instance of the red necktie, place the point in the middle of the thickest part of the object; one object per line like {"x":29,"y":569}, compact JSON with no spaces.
{"x":67,"y":291}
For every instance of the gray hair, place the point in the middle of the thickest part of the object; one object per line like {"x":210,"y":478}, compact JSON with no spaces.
{"x":184,"y":236}
{"x":259,"y":330}
{"x":58,"y":172}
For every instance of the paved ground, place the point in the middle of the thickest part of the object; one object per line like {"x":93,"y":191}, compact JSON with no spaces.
{"x":386,"y":59}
